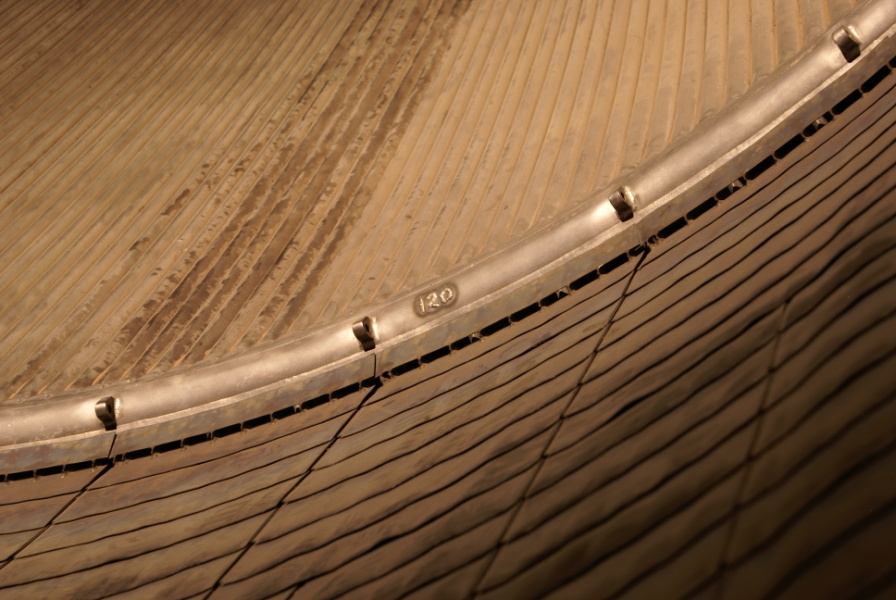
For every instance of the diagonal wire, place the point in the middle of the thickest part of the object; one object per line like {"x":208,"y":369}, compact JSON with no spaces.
{"x":541,"y":461}
{"x":299,"y":481}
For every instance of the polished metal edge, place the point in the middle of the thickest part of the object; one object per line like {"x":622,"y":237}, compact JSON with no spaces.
{"x":107,"y":421}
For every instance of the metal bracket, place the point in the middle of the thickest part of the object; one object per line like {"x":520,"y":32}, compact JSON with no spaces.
{"x":848,"y":42}
{"x":363,"y":330}
{"x":620,"y":199}
{"x":107,"y":411}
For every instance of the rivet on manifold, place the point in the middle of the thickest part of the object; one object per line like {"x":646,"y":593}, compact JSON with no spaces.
{"x":847,"y":40}
{"x":735,"y":185}
{"x":363,"y":330}
{"x":621,"y":200}
{"x":107,"y":412}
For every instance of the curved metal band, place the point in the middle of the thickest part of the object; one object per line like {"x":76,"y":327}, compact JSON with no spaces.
{"x":45,"y":431}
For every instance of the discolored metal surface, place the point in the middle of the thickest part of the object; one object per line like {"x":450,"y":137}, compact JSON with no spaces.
{"x":182,"y":181}
{"x":673,"y":379}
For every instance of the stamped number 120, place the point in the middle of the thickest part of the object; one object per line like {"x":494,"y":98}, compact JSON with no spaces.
{"x":435,"y":300}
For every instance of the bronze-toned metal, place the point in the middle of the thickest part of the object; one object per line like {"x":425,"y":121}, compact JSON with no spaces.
{"x":459,"y":298}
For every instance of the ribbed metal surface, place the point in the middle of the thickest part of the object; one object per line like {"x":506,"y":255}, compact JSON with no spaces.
{"x":710,"y":418}
{"x":694,"y":402}
{"x":182,"y":180}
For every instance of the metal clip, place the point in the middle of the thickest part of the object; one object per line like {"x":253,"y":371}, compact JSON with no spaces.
{"x":620,"y":202}
{"x":107,"y":412}
{"x":363,"y":330}
{"x":848,"y":42}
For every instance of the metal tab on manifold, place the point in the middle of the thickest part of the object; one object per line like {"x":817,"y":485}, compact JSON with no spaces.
{"x":363,"y":330}
{"x":620,"y":199}
{"x":848,"y":42}
{"x":107,"y":412}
